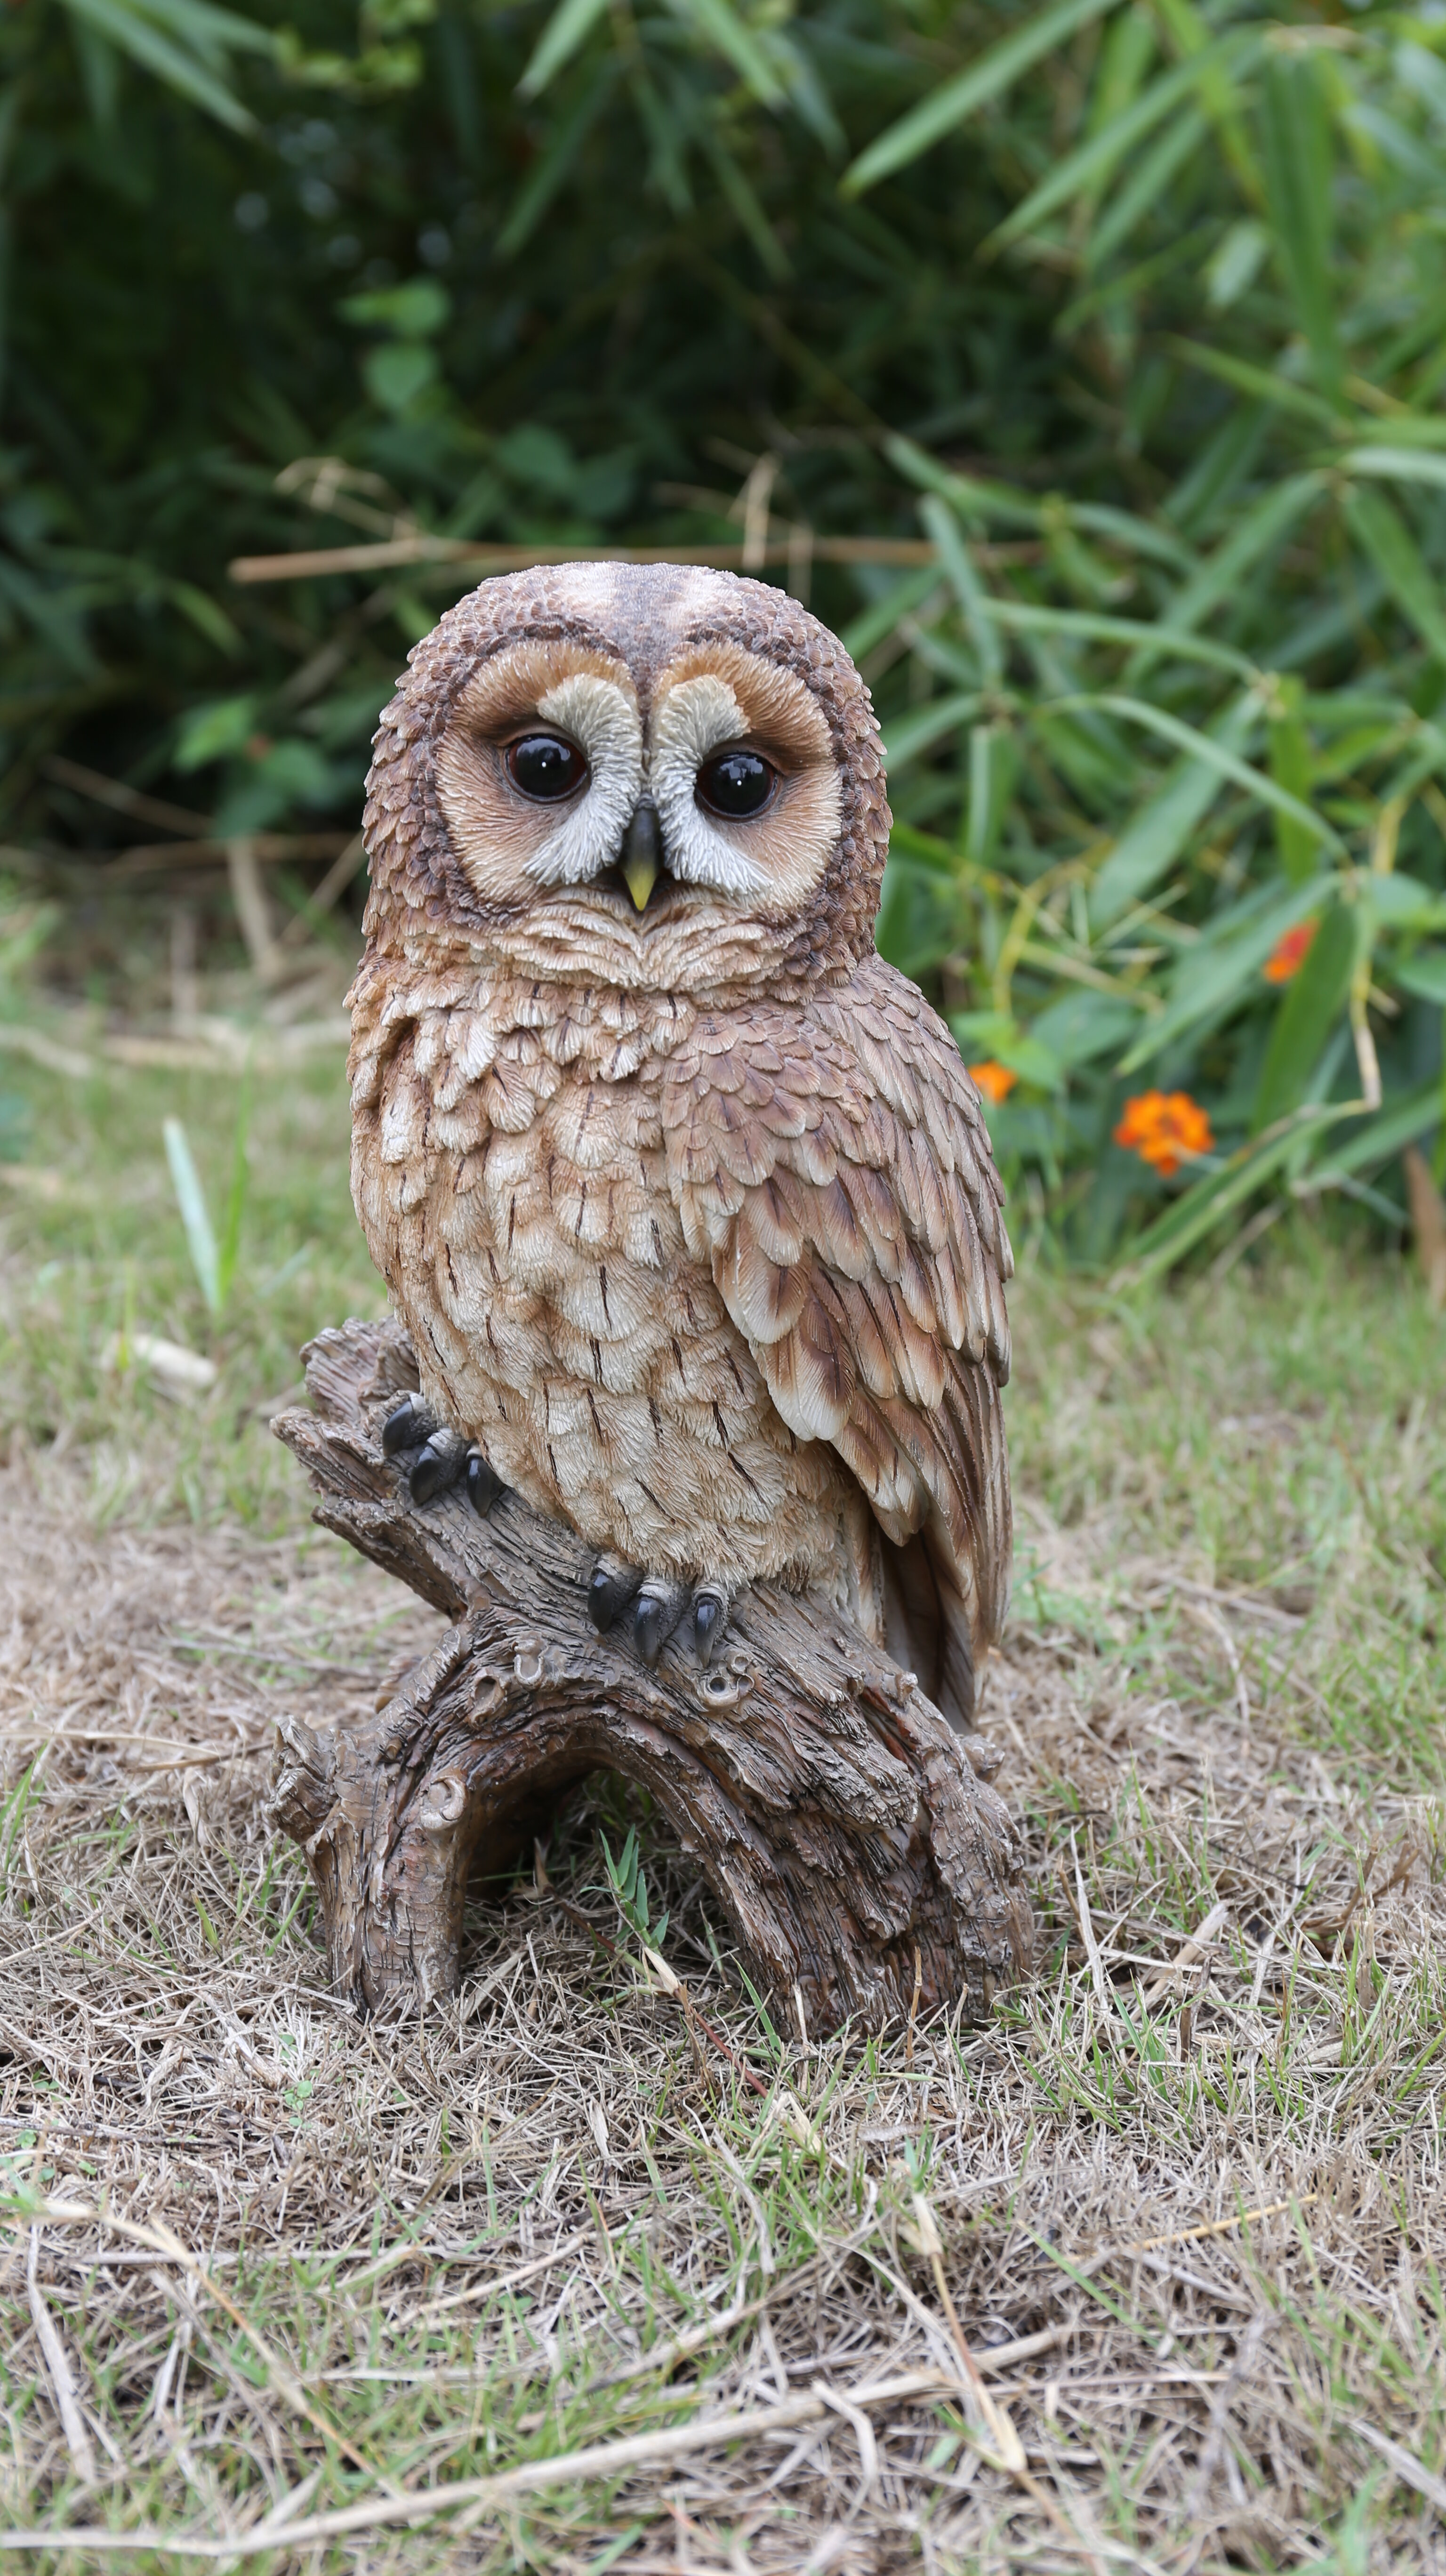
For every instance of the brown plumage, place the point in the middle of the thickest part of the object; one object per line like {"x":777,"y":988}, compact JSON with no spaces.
{"x":688,"y":1207}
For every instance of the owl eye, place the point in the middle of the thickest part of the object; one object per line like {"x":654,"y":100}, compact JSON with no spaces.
{"x":736,"y":784}
{"x":545,"y":766}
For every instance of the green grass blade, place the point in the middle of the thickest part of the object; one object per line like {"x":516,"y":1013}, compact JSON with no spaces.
{"x":191,"y":1200}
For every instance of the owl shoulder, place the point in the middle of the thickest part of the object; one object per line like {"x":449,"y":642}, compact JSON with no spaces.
{"x":843,"y":1133}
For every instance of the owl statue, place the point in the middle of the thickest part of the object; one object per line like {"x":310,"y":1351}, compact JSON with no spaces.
{"x":683,"y":1194}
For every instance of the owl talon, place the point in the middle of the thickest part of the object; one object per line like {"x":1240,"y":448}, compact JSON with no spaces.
{"x":660,"y":1607}
{"x":612,"y":1587}
{"x":483,"y":1483}
{"x":710,"y":1612}
{"x":439,"y":1466}
{"x":408,"y":1426}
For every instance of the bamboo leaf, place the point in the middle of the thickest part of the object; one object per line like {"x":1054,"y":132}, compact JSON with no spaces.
{"x":1169,"y":642}
{"x":908,"y":736}
{"x":1290,"y":767}
{"x":1396,"y":464}
{"x":1219,"y":756}
{"x":944,"y":528}
{"x":957,"y":99}
{"x":1258,"y":382}
{"x":1216,"y":974}
{"x":1305,"y":1016}
{"x":1298,"y":176}
{"x":1253,"y":537}
{"x":1095,"y":159}
{"x":566,"y":31}
{"x":736,"y":41}
{"x":1388,"y":541}
{"x":1153,"y":840}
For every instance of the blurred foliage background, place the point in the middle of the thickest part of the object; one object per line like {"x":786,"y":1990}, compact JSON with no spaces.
{"x":1120,"y":329}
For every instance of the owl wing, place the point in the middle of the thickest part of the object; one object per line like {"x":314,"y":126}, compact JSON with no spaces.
{"x":831,"y":1165}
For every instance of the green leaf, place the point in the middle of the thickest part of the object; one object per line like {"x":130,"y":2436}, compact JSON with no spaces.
{"x":993,"y":767}
{"x":1083,"y":1026}
{"x":1150,"y":844}
{"x":1375,"y":1140}
{"x":566,"y":31}
{"x":1298,"y":177}
{"x":1290,"y":767}
{"x":1218,"y":756}
{"x":984,"y":1034}
{"x":1219,"y":971}
{"x":416,"y":310}
{"x":969,"y":590}
{"x":1140,"y":197}
{"x":736,"y":41}
{"x":1305,"y":1016}
{"x":1169,"y":642}
{"x":1254,"y":535}
{"x":909,"y":735}
{"x":191,"y":1200}
{"x":1424,"y":974}
{"x":1388,"y":541}
{"x":180,"y":65}
{"x":958,"y":98}
{"x":1258,"y":382}
{"x":1396,"y":464}
{"x":1096,"y":158}
{"x":209,"y":732}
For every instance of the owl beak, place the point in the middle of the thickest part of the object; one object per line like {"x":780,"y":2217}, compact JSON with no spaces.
{"x":640,"y":861}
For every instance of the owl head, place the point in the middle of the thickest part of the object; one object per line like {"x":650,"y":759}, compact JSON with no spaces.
{"x":646,"y":775}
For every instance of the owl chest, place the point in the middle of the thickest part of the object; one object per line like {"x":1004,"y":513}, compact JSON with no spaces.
{"x":532,"y":1214}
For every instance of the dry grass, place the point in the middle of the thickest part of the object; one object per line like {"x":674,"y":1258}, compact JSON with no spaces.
{"x":539,"y":2222}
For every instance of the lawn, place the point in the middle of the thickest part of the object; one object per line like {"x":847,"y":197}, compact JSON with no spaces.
{"x":285,"y":2263}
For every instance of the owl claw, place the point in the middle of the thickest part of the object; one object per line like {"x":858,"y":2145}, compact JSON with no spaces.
{"x":408,"y":1426}
{"x":483,"y":1483}
{"x":612,"y":1587}
{"x":660,"y":1607}
{"x":439,"y":1466}
{"x":710,"y":1612}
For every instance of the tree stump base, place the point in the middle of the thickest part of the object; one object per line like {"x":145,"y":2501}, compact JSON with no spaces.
{"x":849,"y":1835}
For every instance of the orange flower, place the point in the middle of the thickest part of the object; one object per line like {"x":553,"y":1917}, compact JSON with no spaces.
{"x":1165,"y":1128}
{"x":994,"y":1080}
{"x":1289,"y":953}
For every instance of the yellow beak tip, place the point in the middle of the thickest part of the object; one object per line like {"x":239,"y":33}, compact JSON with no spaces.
{"x":640,"y":875}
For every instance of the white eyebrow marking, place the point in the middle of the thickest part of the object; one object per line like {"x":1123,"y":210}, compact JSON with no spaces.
{"x":696,"y":719}
{"x":602,"y":720}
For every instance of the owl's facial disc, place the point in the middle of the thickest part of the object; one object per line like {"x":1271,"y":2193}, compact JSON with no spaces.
{"x":540,"y":769}
{"x":742,"y":767}
{"x":547,"y":780}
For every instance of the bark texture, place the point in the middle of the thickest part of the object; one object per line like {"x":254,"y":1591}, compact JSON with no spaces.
{"x":853,"y":1841}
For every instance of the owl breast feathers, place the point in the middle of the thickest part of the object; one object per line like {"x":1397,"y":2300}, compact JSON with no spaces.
{"x":682,"y":1193}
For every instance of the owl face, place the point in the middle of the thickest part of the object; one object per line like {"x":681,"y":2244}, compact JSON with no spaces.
{"x":634,"y":773}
